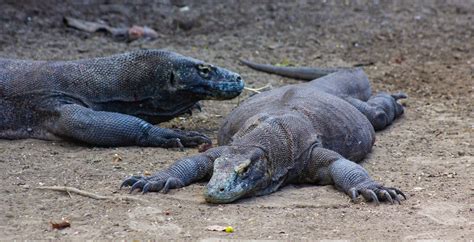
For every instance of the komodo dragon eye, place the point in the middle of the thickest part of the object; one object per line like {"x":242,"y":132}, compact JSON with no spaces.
{"x":242,"y":168}
{"x":204,"y":70}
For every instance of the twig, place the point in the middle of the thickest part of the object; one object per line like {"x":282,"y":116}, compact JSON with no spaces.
{"x":257,"y":90}
{"x":68,"y":193}
{"x":91,"y":195}
{"x":369,"y":63}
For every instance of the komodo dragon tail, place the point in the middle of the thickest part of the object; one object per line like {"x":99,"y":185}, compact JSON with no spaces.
{"x":304,"y":73}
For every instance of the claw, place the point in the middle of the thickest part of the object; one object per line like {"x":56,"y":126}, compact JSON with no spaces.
{"x":190,"y":138}
{"x":125,"y":183}
{"x":370,"y":196}
{"x":374,"y":197}
{"x":387,"y":196}
{"x":166,"y":188}
{"x":172,"y":183}
{"x":398,"y":192}
{"x":196,"y":140}
{"x":130,"y":181}
{"x":146,"y":188}
{"x":400,"y":95}
{"x":138,"y":185}
{"x":153,"y":186}
{"x":354,"y":194}
{"x":394,"y":195}
{"x":179,"y":144}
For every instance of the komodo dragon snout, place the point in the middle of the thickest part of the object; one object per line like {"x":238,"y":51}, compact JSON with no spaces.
{"x":202,"y":80}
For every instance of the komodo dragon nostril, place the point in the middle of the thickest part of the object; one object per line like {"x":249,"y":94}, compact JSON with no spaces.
{"x":221,"y":189}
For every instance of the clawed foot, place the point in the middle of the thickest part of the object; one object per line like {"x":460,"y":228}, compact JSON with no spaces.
{"x":173,"y":138}
{"x":400,"y":95}
{"x":156,"y":183}
{"x":390,"y":105}
{"x":191,"y":138}
{"x":372,"y":191}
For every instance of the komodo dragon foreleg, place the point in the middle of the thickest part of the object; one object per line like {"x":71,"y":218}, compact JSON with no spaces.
{"x":182,"y":173}
{"x":328,"y":167}
{"x":116,"y":129}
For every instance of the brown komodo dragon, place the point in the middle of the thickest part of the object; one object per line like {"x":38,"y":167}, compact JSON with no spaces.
{"x":312,"y":132}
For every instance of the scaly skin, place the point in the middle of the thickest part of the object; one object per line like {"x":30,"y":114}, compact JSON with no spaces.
{"x":305,"y":133}
{"x":110,"y":101}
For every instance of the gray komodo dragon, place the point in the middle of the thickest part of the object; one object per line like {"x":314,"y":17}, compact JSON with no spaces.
{"x":306,"y":133}
{"x":109,"y":101}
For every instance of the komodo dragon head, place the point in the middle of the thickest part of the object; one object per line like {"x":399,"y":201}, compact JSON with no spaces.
{"x":197,"y":79}
{"x":259,"y":157}
{"x":238,"y":175}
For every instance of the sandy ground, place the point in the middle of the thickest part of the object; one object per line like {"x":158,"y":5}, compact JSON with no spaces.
{"x":424,"y":48}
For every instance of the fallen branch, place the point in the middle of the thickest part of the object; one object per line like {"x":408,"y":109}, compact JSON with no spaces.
{"x":91,"y":195}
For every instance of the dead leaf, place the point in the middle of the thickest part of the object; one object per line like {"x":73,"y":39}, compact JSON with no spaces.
{"x":137,"y":32}
{"x":60,"y":225}
{"x":125,"y":34}
{"x":204,"y":147}
{"x":116,"y":158}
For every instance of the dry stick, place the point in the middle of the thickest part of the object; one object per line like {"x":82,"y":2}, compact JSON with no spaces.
{"x":257,"y":90}
{"x":91,"y":195}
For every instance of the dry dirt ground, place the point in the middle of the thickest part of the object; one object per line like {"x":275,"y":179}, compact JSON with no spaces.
{"x":425,"y":48}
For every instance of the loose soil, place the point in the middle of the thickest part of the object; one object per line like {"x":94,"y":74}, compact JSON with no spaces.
{"x":424,"y":48}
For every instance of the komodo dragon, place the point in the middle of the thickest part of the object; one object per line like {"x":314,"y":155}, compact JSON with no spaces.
{"x":110,"y":101}
{"x":305,"y":133}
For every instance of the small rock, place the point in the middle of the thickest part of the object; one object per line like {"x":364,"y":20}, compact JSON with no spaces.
{"x":184,"y":9}
{"x":186,"y":20}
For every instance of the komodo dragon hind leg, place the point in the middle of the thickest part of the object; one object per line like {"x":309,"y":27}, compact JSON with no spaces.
{"x":114,"y":129}
{"x":381,"y":109}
